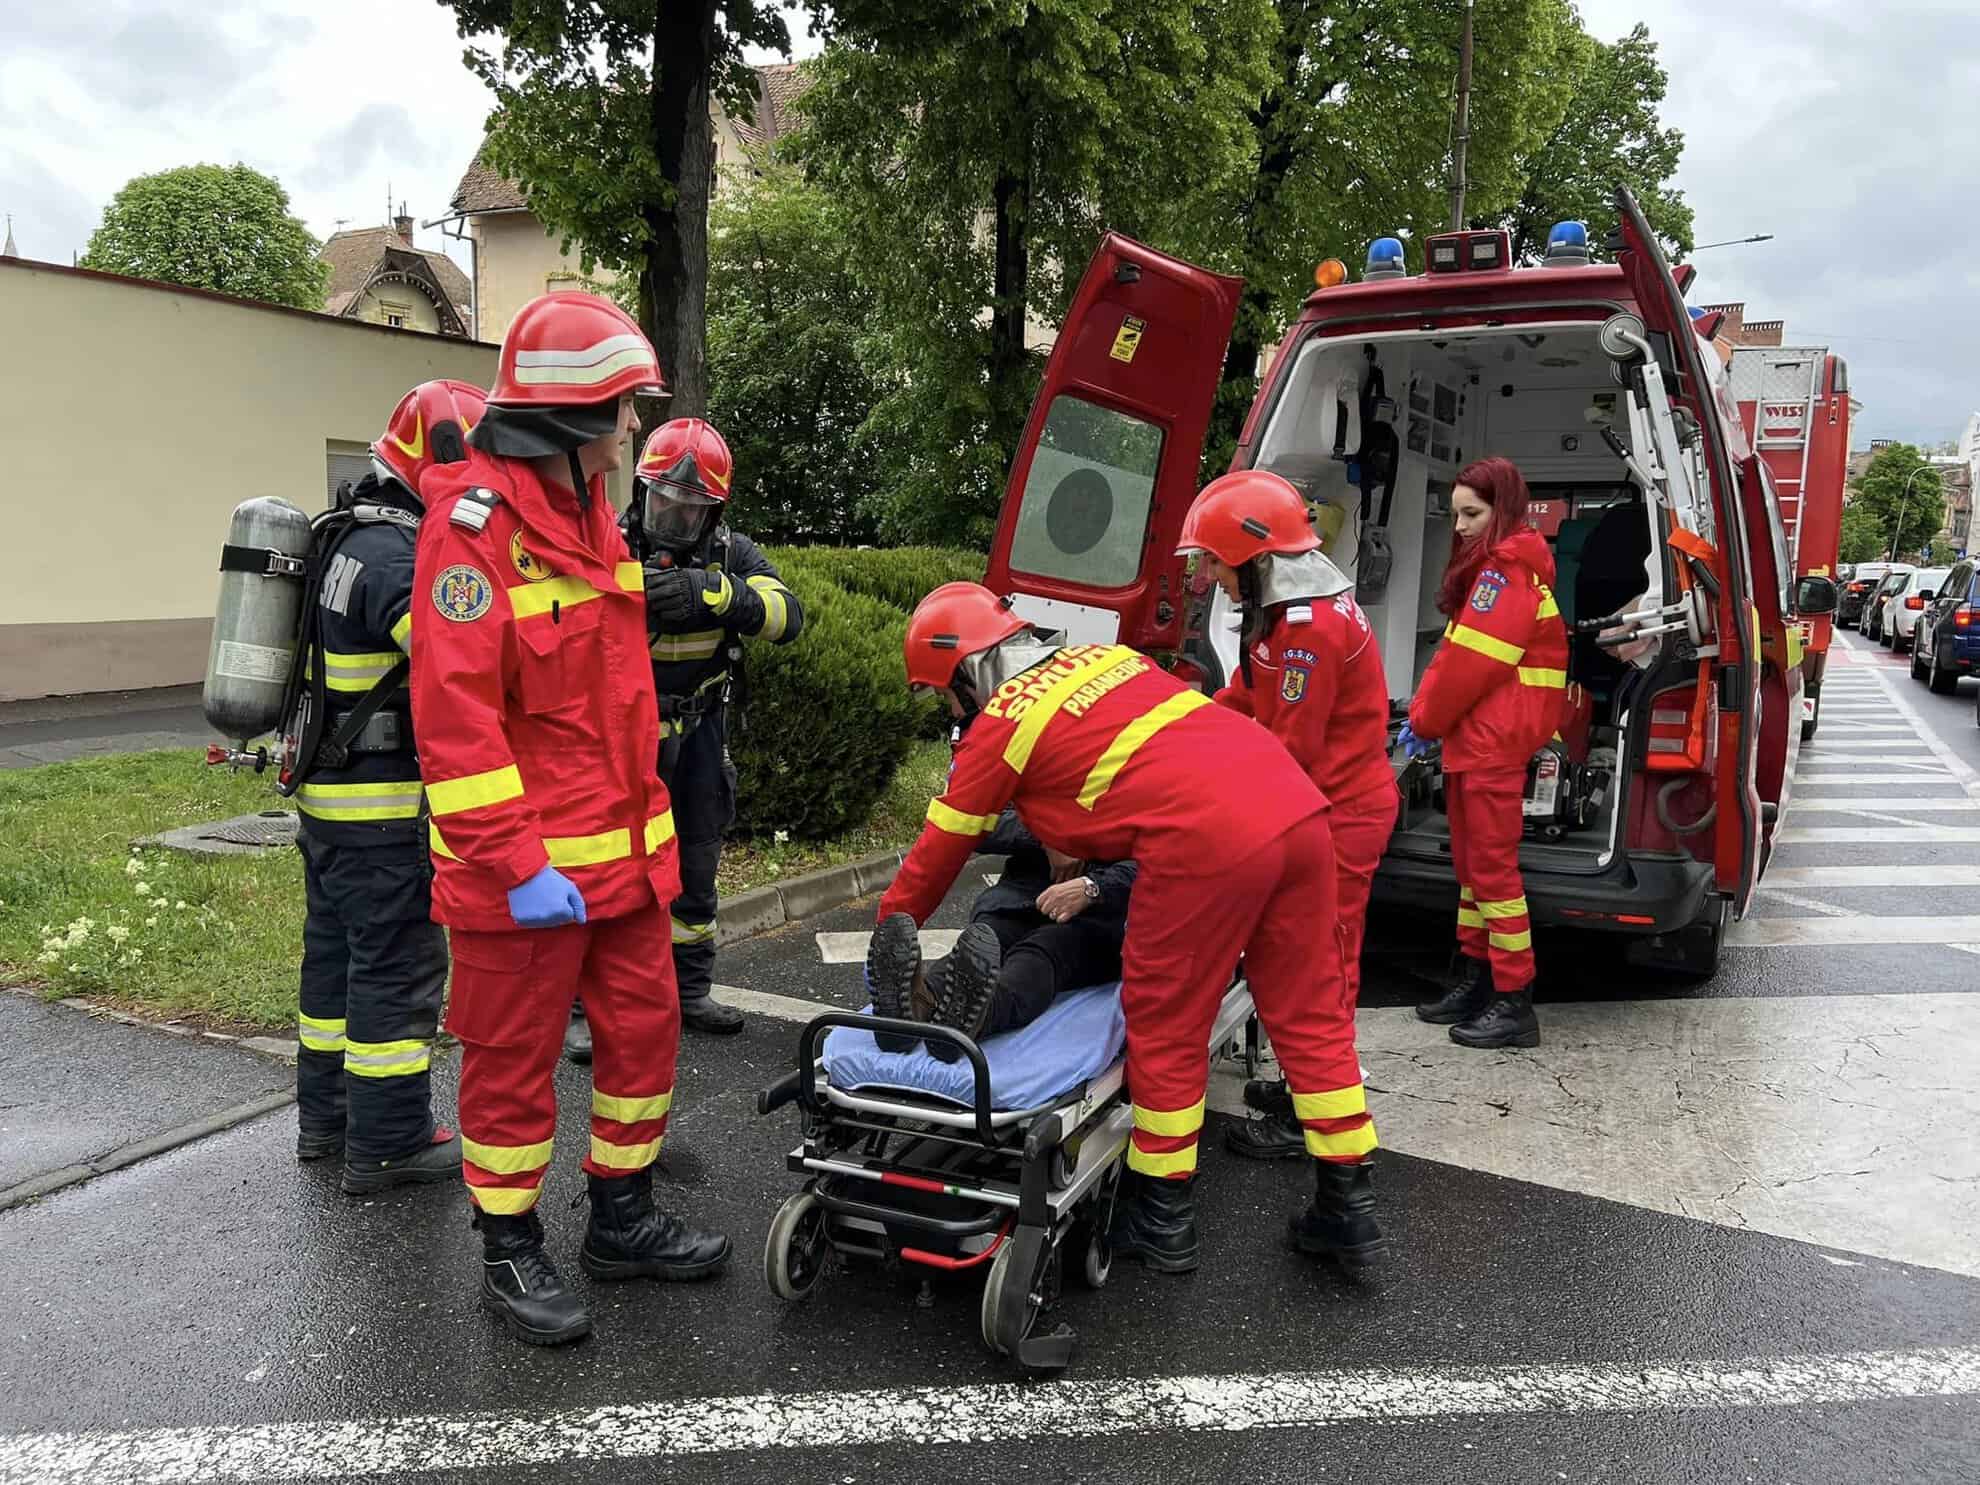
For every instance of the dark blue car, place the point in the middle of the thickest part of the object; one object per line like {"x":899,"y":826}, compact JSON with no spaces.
{"x":1946,"y":644}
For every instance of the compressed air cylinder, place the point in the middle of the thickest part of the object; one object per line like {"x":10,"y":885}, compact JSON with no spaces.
{"x":257,"y":621}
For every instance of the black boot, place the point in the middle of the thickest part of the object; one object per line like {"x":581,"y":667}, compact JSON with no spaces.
{"x":1268,"y":1096}
{"x":1268,"y":1137}
{"x":969,"y":987}
{"x":1465,"y":994}
{"x":894,"y":977}
{"x":1155,"y":1221}
{"x":319,"y":1144}
{"x":706,"y":1013}
{"x":1340,"y":1223}
{"x":577,"y":1036}
{"x":1506,"y":1021}
{"x":439,"y":1159}
{"x":521,"y":1287}
{"x":628,"y":1239}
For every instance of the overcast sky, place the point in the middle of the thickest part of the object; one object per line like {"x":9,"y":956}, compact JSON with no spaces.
{"x":1847,"y":130}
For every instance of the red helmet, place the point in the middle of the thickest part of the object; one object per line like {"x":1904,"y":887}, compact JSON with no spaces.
{"x":428,"y":427}
{"x":953,"y":622}
{"x":689,"y":454}
{"x":573,"y":350}
{"x":1239,"y":515}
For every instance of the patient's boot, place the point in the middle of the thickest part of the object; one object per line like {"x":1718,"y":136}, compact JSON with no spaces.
{"x":1155,"y":1221}
{"x":968,"y":989}
{"x":894,"y":977}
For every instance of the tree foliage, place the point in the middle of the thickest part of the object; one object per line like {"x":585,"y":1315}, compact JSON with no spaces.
{"x":1608,"y":135}
{"x":220,"y":227}
{"x":792,"y":372}
{"x":982,"y":148}
{"x":1863,"y":539}
{"x":1878,"y":501}
{"x":603,"y":118}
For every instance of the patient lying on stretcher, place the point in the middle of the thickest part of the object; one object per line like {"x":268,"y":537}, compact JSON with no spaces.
{"x":1049,"y":924}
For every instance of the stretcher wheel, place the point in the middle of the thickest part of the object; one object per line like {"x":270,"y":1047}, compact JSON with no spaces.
{"x":1005,"y":1289}
{"x":1098,"y":1260}
{"x":794,"y":1253}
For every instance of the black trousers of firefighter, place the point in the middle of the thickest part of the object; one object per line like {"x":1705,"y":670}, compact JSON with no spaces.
{"x":696,"y":771}
{"x":373,"y":973}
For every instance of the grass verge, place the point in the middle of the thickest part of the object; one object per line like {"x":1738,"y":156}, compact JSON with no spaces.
{"x":217,"y":939}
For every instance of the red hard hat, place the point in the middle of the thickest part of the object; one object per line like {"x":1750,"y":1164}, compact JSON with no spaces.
{"x":1241,"y":514}
{"x":427,"y":428}
{"x":690,"y":455}
{"x":953,"y":622}
{"x":572,"y":350}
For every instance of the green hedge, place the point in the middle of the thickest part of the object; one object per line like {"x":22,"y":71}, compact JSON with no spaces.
{"x":830,"y":717}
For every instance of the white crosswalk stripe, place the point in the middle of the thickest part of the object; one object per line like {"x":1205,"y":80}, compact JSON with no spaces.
{"x":1871,"y":876}
{"x":1855,"y":929}
{"x":1804,"y":802}
{"x":1879,"y":835}
{"x":850,"y":948}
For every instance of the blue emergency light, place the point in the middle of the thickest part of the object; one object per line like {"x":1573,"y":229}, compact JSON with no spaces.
{"x":1385,"y":260}
{"x":1567,"y":245}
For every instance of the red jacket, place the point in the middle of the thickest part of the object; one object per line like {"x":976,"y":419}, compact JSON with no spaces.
{"x":533,"y":700}
{"x":1495,"y":689}
{"x":1107,"y":758}
{"x":1317,"y":686}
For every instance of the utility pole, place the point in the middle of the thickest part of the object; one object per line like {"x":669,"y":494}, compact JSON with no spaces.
{"x":1462,"y":136}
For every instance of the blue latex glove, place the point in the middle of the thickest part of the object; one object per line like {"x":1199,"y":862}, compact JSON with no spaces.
{"x":545,"y":900}
{"x":1412,"y":745}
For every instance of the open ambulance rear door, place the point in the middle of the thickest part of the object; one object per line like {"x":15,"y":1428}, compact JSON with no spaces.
{"x":1699,"y":490}
{"x":1108,"y":463}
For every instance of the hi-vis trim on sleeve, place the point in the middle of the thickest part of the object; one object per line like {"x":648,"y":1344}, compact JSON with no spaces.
{"x":946,"y":817}
{"x":659,"y":830}
{"x":1551,"y":680}
{"x":451,"y":796}
{"x":631,"y":578}
{"x":1017,"y":752}
{"x":1129,"y":739}
{"x":1485,"y":644}
{"x":776,"y":612}
{"x":1548,"y":608}
{"x":530,"y":599}
{"x":402,"y":632}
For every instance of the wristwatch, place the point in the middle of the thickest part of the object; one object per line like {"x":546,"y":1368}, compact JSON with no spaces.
{"x":1092,"y":889}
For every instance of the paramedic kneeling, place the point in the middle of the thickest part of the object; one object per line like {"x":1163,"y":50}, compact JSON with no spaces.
{"x":1493,"y":695}
{"x":1107,"y":757}
{"x":1310,"y":671}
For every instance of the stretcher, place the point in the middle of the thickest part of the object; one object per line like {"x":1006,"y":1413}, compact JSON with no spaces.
{"x":1005,"y":1161}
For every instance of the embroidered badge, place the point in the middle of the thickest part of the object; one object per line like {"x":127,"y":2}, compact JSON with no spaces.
{"x":527,"y":563}
{"x":1485,"y":596}
{"x":462,"y":594}
{"x":1292,"y":686}
{"x":1302,"y":657}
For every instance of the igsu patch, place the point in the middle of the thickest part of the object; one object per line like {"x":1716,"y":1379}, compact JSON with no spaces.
{"x":462,"y":593}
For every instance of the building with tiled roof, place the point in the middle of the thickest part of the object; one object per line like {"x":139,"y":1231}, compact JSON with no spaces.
{"x":379,"y":276}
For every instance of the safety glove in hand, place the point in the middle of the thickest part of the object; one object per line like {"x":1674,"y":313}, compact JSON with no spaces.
{"x":685,"y":597}
{"x":545,"y":900}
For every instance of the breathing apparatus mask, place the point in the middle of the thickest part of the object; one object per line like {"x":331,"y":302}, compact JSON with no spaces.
{"x":673,"y":517}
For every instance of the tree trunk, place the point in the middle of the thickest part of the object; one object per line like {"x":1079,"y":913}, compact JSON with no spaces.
{"x":1008,"y":403}
{"x":673,"y":285}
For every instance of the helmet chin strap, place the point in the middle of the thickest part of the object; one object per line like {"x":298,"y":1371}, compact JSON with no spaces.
{"x":579,"y":485}
{"x":1255,"y":619}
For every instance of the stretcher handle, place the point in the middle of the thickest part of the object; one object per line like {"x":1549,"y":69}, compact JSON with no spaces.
{"x":814,"y":1030}
{"x":779,"y":1093}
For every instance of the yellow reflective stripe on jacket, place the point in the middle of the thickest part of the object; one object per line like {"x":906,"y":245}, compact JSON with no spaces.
{"x":776,"y":612}
{"x":1017,"y":752}
{"x":476,"y":790}
{"x":530,"y":599}
{"x":402,"y":632}
{"x":630,"y":578}
{"x":692,"y":933}
{"x":1357,"y":1141}
{"x":701,"y":644}
{"x":1512,"y":907}
{"x":320,"y":1033}
{"x":624,"y":1157}
{"x":387,"y":1059}
{"x":1548,"y":608}
{"x":659,"y":830}
{"x":394,"y":800}
{"x":507,"y":1160}
{"x":631,"y":1110}
{"x":583,"y":850}
{"x":1169,"y":1121}
{"x":1485,"y":644}
{"x":1335,"y":1103}
{"x":1551,"y":680}
{"x":1129,"y":740}
{"x":948,"y":817}
{"x":357,"y":671}
{"x":1162,"y":1162}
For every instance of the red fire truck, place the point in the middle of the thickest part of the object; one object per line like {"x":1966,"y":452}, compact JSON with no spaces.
{"x":1656,"y":817}
{"x":1794,"y":407}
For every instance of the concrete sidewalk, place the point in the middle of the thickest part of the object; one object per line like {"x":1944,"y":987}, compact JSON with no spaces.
{"x":55,"y":729}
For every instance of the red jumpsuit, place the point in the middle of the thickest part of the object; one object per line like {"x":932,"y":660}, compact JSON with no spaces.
{"x":533,"y":703}
{"x":1107,"y":757}
{"x":1493,"y":694}
{"x":1317,"y":686}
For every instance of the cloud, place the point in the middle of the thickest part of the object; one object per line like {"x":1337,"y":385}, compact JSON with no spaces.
{"x":381,"y":132}
{"x":52,"y":219}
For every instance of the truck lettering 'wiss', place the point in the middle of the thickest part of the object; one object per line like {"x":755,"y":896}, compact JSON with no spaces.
{"x":1652,"y":814}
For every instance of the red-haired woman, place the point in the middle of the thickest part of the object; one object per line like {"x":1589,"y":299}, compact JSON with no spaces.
{"x":1492,"y":696}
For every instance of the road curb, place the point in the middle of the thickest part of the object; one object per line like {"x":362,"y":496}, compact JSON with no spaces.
{"x":765,"y":908}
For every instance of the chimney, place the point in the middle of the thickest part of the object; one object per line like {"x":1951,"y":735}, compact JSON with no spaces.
{"x":403,"y":224}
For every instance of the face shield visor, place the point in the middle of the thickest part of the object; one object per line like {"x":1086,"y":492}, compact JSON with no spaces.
{"x":674,"y":517}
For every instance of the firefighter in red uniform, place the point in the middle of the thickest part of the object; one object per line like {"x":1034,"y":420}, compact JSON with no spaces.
{"x":1310,"y":671}
{"x":1492,"y":696}
{"x":1107,"y":757}
{"x":553,"y":844}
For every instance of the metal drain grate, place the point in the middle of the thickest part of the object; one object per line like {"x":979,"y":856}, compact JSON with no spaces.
{"x":269,"y":828}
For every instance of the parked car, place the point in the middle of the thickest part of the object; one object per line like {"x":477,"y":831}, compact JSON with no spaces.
{"x":1863,"y":580}
{"x":1879,"y":599}
{"x":1901,"y":611}
{"x":1946,"y":643}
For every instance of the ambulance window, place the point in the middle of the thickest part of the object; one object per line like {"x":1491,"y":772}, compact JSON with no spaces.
{"x":1084,"y":513}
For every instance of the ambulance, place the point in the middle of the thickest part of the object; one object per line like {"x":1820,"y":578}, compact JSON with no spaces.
{"x":1653,"y":814}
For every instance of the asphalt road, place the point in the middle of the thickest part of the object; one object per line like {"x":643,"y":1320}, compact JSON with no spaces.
{"x":1702,"y":1233}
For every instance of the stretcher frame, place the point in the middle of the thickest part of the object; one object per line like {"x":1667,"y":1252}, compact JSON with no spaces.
{"x":896,"y":1175}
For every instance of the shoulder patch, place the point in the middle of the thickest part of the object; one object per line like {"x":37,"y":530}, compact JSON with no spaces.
{"x":1494,"y":576}
{"x":1302,"y":657}
{"x":1300,"y":613}
{"x":462,"y":593}
{"x":1485,"y":596}
{"x":474,"y":507}
{"x":527,"y":563}
{"x":1292,"y":685}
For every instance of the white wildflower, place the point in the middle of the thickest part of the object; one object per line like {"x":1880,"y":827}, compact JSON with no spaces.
{"x":133,"y":867}
{"x":118,"y":933}
{"x":48,"y":956}
{"x":142,"y":889}
{"x":181,"y":904}
{"x":152,"y":921}
{"x":782,"y":837}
